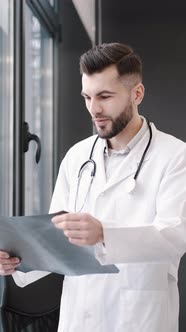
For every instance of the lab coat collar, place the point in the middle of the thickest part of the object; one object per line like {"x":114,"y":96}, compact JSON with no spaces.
{"x":129,"y":165}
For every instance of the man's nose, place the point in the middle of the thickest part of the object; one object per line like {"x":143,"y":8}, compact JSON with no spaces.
{"x":95,"y":107}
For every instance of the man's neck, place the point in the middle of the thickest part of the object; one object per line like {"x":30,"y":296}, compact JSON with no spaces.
{"x":120,"y":141}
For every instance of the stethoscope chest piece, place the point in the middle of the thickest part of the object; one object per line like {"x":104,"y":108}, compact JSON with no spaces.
{"x":130,"y":185}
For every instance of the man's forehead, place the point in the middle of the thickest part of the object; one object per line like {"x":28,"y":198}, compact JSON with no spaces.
{"x":103,"y":80}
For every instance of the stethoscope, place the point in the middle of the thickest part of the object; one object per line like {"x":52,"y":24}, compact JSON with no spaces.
{"x":131,"y":184}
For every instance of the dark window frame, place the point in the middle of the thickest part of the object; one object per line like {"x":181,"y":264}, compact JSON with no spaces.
{"x":49,"y":18}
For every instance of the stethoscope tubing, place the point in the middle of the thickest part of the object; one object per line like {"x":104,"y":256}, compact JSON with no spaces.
{"x":145,"y":151}
{"x":93,"y":172}
{"x":90,"y":160}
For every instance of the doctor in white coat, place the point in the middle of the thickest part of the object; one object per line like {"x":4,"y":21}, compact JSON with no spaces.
{"x":129,"y":203}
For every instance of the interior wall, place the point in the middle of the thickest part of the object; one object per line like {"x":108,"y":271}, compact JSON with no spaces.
{"x":158,"y":34}
{"x":74,"y":120}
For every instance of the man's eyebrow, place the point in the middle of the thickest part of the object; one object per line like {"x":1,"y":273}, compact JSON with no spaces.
{"x":106,"y":91}
{"x":100,"y":93}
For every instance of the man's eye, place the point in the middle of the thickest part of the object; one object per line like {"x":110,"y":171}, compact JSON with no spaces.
{"x":105,"y":97}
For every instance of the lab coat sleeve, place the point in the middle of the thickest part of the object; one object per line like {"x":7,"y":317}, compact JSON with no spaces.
{"x":164,"y":239}
{"x":58,"y":203}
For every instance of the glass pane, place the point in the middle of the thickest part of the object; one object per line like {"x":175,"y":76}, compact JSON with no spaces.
{"x":38,"y":114}
{"x":6,"y":106}
{"x":51,"y":2}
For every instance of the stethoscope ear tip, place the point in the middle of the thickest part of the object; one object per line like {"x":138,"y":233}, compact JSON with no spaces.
{"x":130,"y":186}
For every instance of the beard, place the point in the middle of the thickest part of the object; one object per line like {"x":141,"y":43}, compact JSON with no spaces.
{"x":117,"y":124}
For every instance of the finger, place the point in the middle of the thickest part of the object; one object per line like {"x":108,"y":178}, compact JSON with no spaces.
{"x":57,"y":219}
{"x":76,"y":234}
{"x":71,"y":225}
{"x":67,"y":217}
{"x":4,"y":267}
{"x":12,"y":260}
{"x":7,"y":272}
{"x":4,"y":254}
{"x":78,"y":242}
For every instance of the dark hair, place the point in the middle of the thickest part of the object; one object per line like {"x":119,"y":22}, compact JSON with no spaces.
{"x":102,"y":56}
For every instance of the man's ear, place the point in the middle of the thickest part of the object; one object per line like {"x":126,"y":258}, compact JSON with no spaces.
{"x":138,"y":93}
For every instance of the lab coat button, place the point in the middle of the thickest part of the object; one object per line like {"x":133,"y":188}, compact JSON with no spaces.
{"x":102,"y":193}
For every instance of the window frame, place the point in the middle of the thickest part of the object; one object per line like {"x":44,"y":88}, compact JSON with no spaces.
{"x":48,"y":17}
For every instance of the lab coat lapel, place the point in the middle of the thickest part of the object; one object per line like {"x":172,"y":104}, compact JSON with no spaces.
{"x":127,"y":168}
{"x":131,"y":162}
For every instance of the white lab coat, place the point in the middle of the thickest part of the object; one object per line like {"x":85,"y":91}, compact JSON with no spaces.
{"x":144,"y":234}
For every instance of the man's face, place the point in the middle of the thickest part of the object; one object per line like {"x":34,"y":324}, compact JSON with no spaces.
{"x":108,"y":100}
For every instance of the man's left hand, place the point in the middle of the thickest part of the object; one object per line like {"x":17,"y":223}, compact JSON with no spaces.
{"x":80,"y":228}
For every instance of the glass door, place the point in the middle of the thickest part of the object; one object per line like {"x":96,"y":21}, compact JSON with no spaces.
{"x":38,"y":115}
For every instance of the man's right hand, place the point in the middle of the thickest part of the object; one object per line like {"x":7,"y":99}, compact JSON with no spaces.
{"x":8,"y":264}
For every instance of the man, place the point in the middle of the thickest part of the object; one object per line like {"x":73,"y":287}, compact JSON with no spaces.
{"x":133,"y":210}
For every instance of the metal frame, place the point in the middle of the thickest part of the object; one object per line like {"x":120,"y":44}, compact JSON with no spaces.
{"x":49,"y":16}
{"x":56,"y":70}
{"x":98,"y":32}
{"x":18,"y":169}
{"x":49,"y":19}
{"x":46,"y":14}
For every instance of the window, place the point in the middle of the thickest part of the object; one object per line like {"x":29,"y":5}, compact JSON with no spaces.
{"x":6,"y":107}
{"x":51,"y":2}
{"x":28,"y":46}
{"x":38,"y":114}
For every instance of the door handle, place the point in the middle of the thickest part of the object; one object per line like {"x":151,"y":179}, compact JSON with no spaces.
{"x":27,"y":137}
